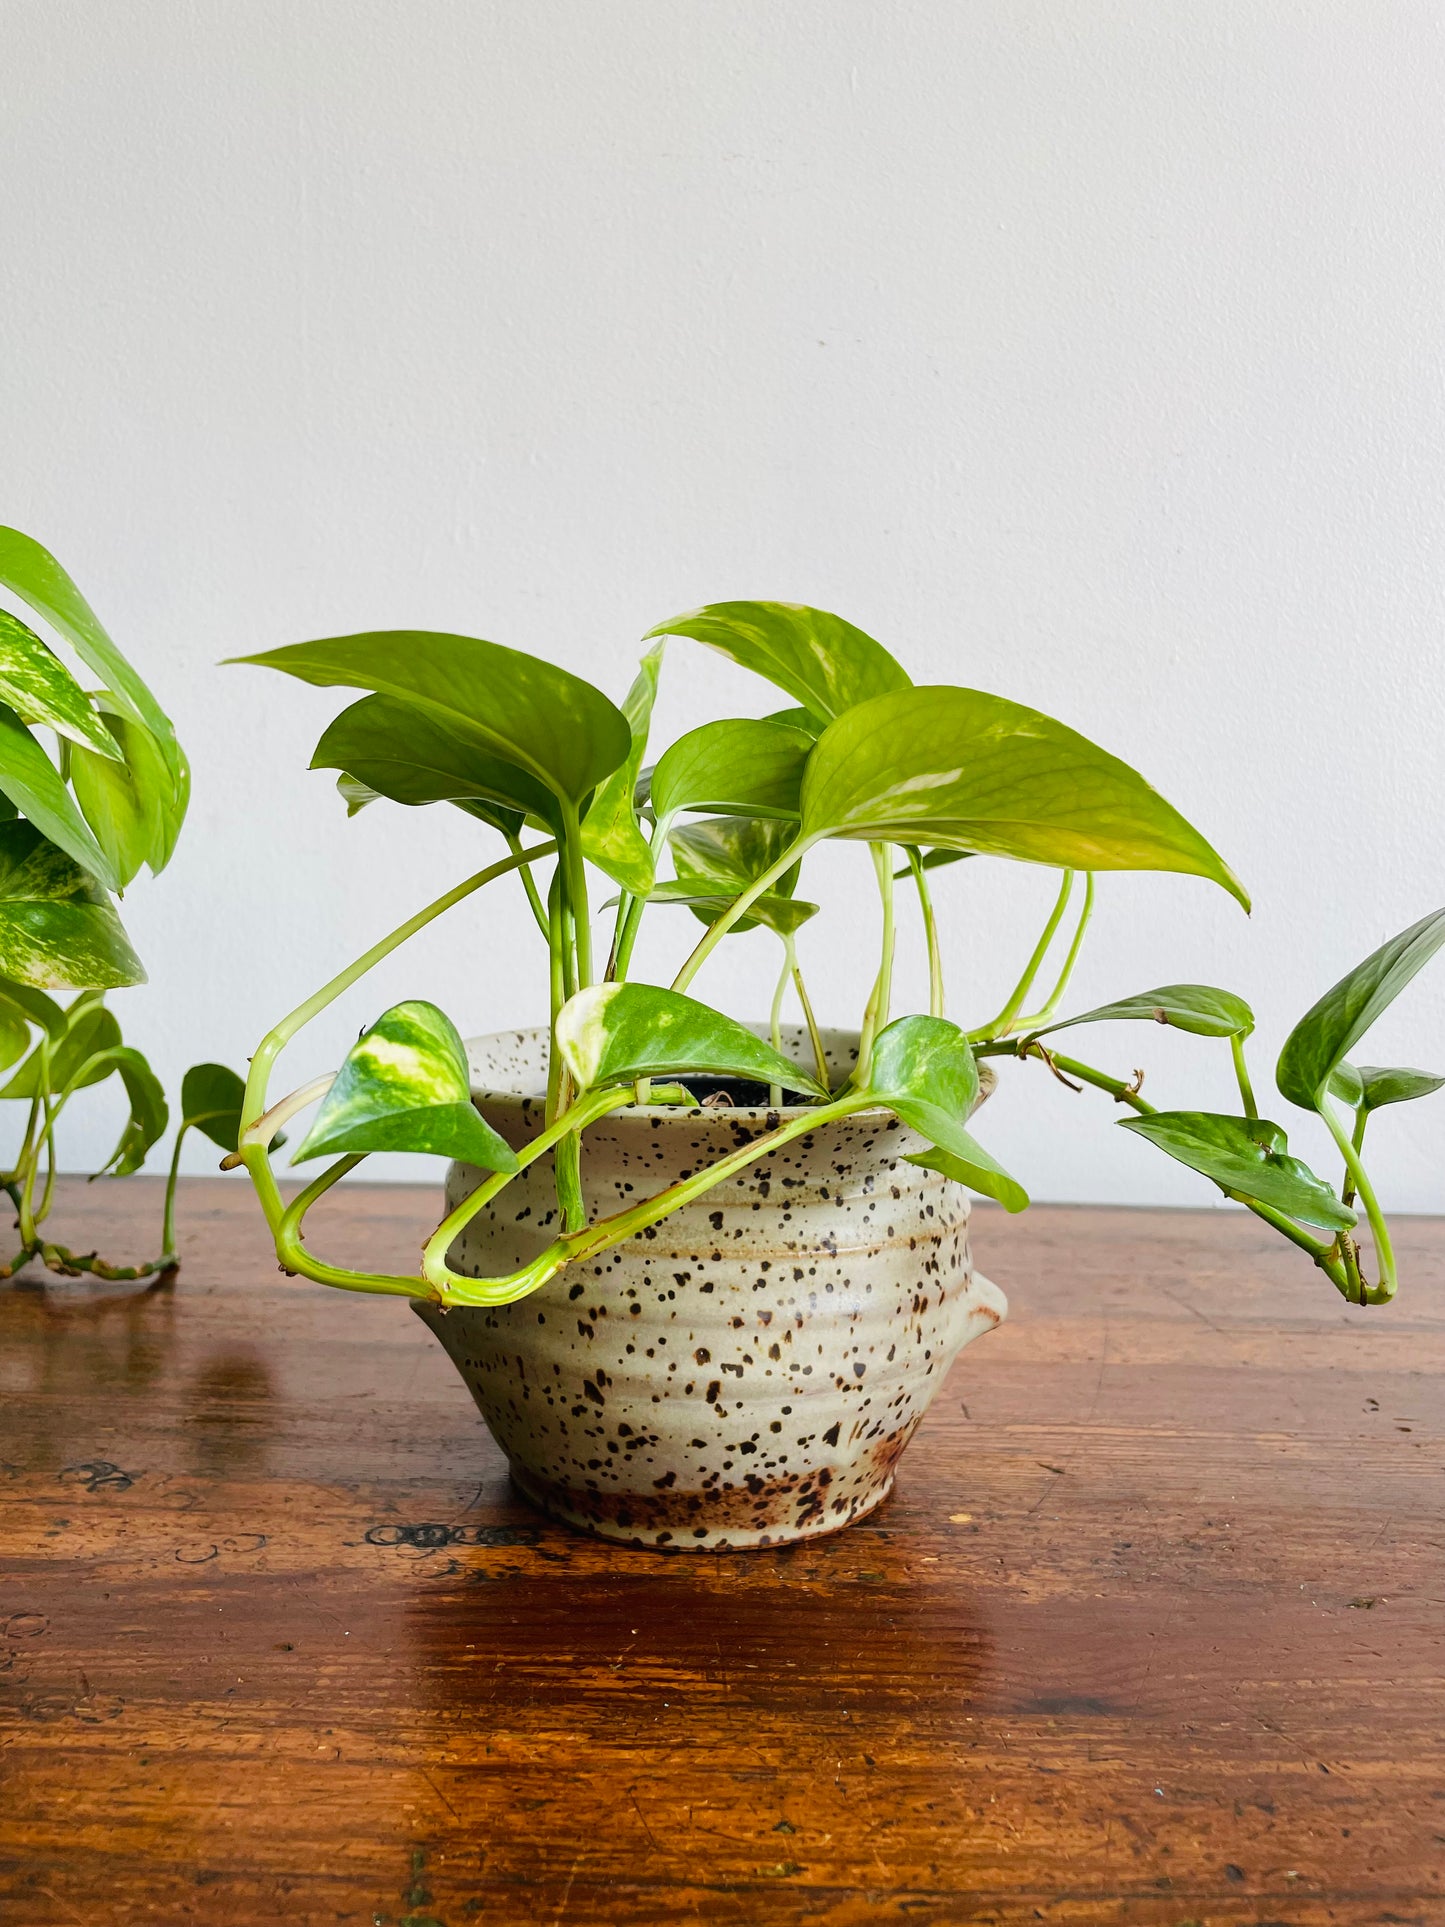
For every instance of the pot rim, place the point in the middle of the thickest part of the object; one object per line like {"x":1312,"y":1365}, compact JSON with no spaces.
{"x":523,"y":1102}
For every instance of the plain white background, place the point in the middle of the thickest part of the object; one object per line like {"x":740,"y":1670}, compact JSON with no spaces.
{"x":1087,"y":353}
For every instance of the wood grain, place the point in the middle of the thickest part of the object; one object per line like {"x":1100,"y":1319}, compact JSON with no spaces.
{"x":1151,"y":1631}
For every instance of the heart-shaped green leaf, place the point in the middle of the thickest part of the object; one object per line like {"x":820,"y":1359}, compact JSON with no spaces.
{"x":128,"y":804}
{"x":1247,"y":1155}
{"x":1330,"y":1030}
{"x":823,"y":662}
{"x":405,"y":1086}
{"x":412,"y":756}
{"x":34,"y":574}
{"x":746,"y":767}
{"x":212,"y":1097}
{"x":40,"y":689}
{"x":803,"y":719}
{"x":552,"y":724}
{"x":610,"y":836}
{"x":782,"y":915}
{"x":89,"y":1031}
{"x":925,"y":1073}
{"x":57,"y":926}
{"x":1193,"y":1007}
{"x":149,"y":1113}
{"x":36,"y":787}
{"x":14,"y":1036}
{"x":719,"y":857}
{"x":1396,"y":1084}
{"x":618,"y":1033}
{"x":1345,"y":1083}
{"x":964,"y":770}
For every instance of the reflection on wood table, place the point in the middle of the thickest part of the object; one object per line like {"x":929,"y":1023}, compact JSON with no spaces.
{"x":1151,"y":1631}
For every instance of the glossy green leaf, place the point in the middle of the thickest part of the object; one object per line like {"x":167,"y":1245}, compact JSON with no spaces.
{"x":782,"y":915}
{"x":127,"y":803}
{"x":14,"y":1036}
{"x":40,"y":689}
{"x":34,"y":1007}
{"x":405,"y":1086}
{"x":716,"y":859}
{"x":1331,"y":1029}
{"x":33,"y":573}
{"x":610,"y":836}
{"x":1247,"y":1155}
{"x":617,"y":1033}
{"x":36,"y":787}
{"x":149,"y":1113}
{"x":57,"y":926}
{"x":1193,"y":1007}
{"x":355,"y":794}
{"x":822,"y":662}
{"x":979,"y":1172}
{"x":924,"y":1071}
{"x":555,"y":726}
{"x":745,"y":767}
{"x":411,"y":756}
{"x":1345,"y":1083}
{"x":1397,"y":1084}
{"x":212,"y":1096}
{"x":960,"y":769}
{"x":90,"y":1031}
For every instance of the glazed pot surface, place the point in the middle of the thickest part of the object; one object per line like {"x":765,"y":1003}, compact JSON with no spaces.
{"x":746,"y":1372}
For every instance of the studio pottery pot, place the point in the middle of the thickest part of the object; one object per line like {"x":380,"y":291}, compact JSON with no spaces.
{"x":747,"y":1372}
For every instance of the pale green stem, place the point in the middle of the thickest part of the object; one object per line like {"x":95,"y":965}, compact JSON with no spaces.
{"x":775,"y":1016}
{"x":739,"y":907}
{"x":591,"y":1240}
{"x":576,"y":868}
{"x":930,"y":931}
{"x":28,"y":1232}
{"x":275,"y":1041}
{"x":875,"y":1014}
{"x":514,"y":844}
{"x":1056,"y":995}
{"x":168,"y":1209}
{"x":1004,"y":1022}
{"x":820,"y":1056}
{"x":284,"y":1109}
{"x":1384,"y":1249}
{"x":296,"y":1258}
{"x":1241,"y":1072}
{"x":1362,"y":1118}
{"x":567,"y":1128}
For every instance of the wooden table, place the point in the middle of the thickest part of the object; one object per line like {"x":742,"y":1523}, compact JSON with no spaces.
{"x":1151,"y":1631}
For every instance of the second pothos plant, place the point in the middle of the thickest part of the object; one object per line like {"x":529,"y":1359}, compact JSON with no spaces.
{"x":721,"y":824}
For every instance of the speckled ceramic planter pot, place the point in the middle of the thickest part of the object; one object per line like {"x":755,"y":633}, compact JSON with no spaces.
{"x":745,"y":1373}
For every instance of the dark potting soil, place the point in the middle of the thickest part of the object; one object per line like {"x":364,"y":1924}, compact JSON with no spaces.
{"x":740,"y":1091}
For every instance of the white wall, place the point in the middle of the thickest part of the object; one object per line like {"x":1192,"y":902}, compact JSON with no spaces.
{"x":1089,"y":353}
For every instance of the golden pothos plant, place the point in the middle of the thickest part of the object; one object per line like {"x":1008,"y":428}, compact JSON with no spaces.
{"x":723,"y":823}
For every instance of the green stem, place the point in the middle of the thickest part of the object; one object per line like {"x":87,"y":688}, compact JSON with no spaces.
{"x":1384,"y":1249}
{"x":593,"y":1239}
{"x":1056,"y":995}
{"x":168,"y":1210}
{"x":820,"y":1056}
{"x":1004,"y":1022}
{"x":1241,"y":1072}
{"x":576,"y":868}
{"x":739,"y":907}
{"x":275,"y":1041}
{"x":28,"y":1233}
{"x":775,"y":1016}
{"x":296,"y":1258}
{"x":875,"y":1013}
{"x":514,"y":844}
{"x":1357,"y":1138}
{"x":930,"y":931}
{"x":565,"y":1129}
